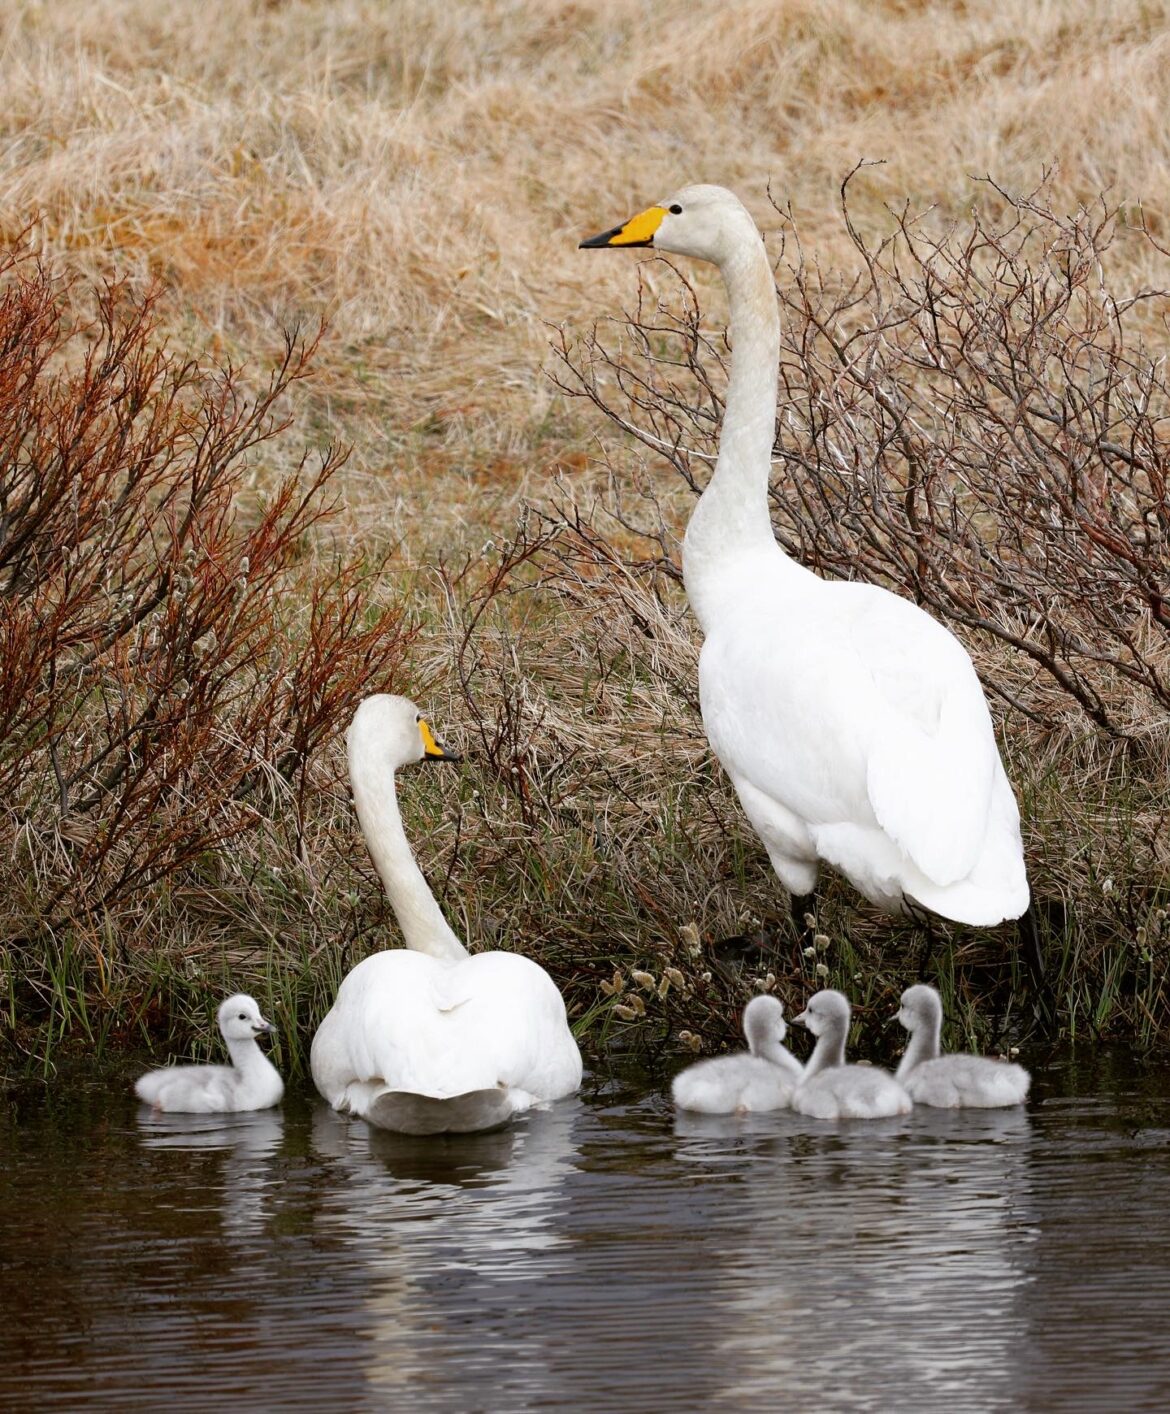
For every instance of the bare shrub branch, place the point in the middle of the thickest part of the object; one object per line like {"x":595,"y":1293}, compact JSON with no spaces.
{"x":169,"y":653}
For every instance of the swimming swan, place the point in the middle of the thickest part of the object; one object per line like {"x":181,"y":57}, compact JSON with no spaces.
{"x":830,"y":1089}
{"x":427,"y":1039}
{"x":851,"y":723}
{"x":951,"y":1082}
{"x":744,"y":1084}
{"x":251,"y":1082}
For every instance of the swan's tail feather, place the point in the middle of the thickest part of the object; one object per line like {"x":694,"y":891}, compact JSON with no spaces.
{"x":405,"y":1112}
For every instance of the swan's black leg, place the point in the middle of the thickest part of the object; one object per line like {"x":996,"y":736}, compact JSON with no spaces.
{"x":925,"y":920}
{"x":802,"y":905}
{"x":927,"y":948}
{"x":1028,"y":941}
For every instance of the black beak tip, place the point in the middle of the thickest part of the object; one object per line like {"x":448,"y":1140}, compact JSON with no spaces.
{"x":600,"y":242}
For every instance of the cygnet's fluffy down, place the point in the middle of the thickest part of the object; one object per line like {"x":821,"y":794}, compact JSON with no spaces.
{"x":830,"y":1089}
{"x":251,"y":1082}
{"x":951,"y":1082}
{"x":744,"y":1084}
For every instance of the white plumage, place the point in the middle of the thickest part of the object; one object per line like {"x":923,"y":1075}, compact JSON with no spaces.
{"x":427,"y":1039}
{"x":251,"y":1082}
{"x":956,"y":1081}
{"x":755,"y":1083}
{"x":830,"y":1089}
{"x":851,"y":723}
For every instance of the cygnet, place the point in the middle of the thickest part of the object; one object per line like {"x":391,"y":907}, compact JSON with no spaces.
{"x":744,"y":1084}
{"x":251,"y":1082}
{"x":830,"y":1089}
{"x":951,"y":1082}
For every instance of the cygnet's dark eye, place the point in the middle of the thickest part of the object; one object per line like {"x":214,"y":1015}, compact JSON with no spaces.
{"x":243,"y":1016}
{"x":676,"y":209}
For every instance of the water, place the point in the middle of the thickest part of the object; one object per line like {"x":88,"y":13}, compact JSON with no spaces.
{"x":601,"y":1256}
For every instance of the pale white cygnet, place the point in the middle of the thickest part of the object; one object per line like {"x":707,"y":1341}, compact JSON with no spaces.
{"x":251,"y":1082}
{"x":951,"y":1082}
{"x":755,"y":1083}
{"x":830,"y":1089}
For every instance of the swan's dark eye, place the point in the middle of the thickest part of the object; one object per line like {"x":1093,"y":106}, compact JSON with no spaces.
{"x":418,"y":716}
{"x":676,"y":209}
{"x":243,"y":1016}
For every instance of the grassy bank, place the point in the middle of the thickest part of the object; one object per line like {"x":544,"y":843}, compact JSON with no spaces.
{"x":419,"y":176}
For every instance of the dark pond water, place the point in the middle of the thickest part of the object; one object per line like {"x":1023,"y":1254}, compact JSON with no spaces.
{"x":602,"y":1255}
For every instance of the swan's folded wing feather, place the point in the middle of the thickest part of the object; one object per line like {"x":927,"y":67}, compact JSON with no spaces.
{"x":932,"y":755}
{"x":406,"y":1022}
{"x":931,"y":792}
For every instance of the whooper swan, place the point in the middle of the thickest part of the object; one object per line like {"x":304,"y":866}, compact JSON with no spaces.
{"x":951,"y":1082}
{"x":852,"y":724}
{"x":427,"y":1039}
{"x":744,"y":1084}
{"x":251,"y":1082}
{"x":830,"y":1089}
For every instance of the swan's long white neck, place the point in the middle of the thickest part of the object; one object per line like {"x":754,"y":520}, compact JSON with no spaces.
{"x":371,"y":779}
{"x":731,"y":524}
{"x":924,"y":1045}
{"x":247,"y":1057}
{"x":829,"y":1050}
{"x":776,"y":1053}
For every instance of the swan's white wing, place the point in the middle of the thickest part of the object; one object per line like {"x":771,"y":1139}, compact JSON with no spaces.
{"x":932,"y":756}
{"x":862,"y":717}
{"x":403,"y":1021}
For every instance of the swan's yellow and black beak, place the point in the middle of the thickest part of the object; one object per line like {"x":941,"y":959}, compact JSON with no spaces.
{"x":638,"y":231}
{"x":433,"y":750}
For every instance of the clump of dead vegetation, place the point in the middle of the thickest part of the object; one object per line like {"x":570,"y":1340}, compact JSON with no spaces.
{"x":173,"y":656}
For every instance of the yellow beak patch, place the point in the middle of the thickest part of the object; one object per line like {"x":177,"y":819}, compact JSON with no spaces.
{"x":638,"y":230}
{"x":430,"y":746}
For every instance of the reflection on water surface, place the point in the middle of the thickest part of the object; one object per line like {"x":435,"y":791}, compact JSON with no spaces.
{"x":602,"y":1254}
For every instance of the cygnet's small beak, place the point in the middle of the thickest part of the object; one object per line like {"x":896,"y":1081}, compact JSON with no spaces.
{"x":262,"y":1028}
{"x":801,"y":1020}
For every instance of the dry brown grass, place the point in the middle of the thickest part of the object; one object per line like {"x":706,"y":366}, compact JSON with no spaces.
{"x":420,"y":173}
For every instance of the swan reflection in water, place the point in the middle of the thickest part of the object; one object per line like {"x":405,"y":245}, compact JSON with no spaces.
{"x":249,"y":1142}
{"x":970,"y":1259}
{"x":444,"y":1228}
{"x":897,"y":1247}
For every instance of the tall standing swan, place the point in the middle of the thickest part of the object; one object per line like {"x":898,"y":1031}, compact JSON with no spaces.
{"x":830,"y":1089}
{"x":251,"y":1082}
{"x":852,"y":725}
{"x":755,"y":1083}
{"x":427,"y":1039}
{"x":951,"y":1082}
